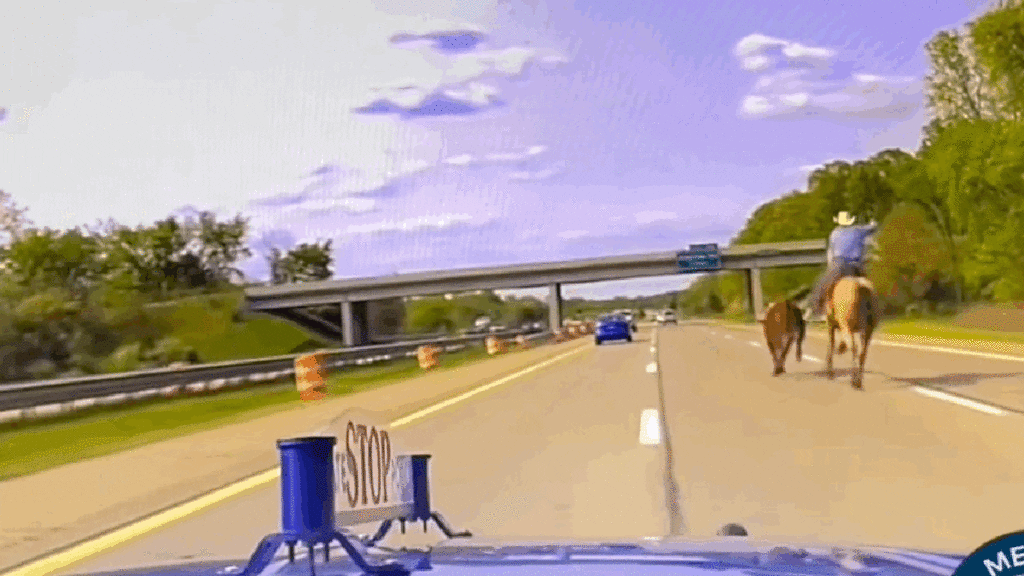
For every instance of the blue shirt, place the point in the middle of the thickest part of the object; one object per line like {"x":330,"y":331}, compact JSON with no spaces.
{"x":847,"y":242}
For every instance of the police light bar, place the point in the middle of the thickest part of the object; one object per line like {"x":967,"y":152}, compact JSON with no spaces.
{"x":346,"y":476}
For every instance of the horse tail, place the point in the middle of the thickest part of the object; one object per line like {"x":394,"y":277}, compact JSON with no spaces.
{"x":868,"y":308}
{"x":803,"y":332}
{"x":800,"y":294}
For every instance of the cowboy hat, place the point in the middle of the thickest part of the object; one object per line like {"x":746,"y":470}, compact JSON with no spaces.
{"x":844,"y":218}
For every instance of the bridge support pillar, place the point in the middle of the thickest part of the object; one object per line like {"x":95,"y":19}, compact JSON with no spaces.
{"x":755,"y":295}
{"x":555,"y":306}
{"x":354,"y":329}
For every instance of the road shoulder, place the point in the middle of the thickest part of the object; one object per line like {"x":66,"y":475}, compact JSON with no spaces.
{"x":59,"y":507}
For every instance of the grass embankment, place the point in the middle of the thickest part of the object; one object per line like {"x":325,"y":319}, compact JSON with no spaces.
{"x":36,"y":445}
{"x":208,"y":325}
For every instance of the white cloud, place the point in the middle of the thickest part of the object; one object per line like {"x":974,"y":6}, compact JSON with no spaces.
{"x":333,"y":188}
{"x":573,"y":234}
{"x":758,"y":52}
{"x":545,"y":174}
{"x":796,"y":100}
{"x":461,"y":160}
{"x":509,"y":62}
{"x":754,"y":44}
{"x":797,"y":80}
{"x":808,"y":168}
{"x":351,"y":205}
{"x":497,"y":157}
{"x":797,"y":51}
{"x":435,"y":222}
{"x":650,"y":216}
{"x":475,"y":93}
{"x":757,"y":63}
{"x":756,"y":105}
{"x":443,"y":35}
{"x":451,"y":84}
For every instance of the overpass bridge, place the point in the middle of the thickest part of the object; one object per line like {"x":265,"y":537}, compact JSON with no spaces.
{"x":358,"y":300}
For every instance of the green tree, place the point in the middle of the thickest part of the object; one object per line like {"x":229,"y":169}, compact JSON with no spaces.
{"x":998,"y":40}
{"x":221,"y":245}
{"x":911,"y":256}
{"x":957,"y":86}
{"x":430,"y":316}
{"x":12,"y":219}
{"x":49,"y":258}
{"x":312,"y":261}
{"x":304,"y":263}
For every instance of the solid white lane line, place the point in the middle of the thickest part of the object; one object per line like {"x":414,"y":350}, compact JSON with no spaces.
{"x":972,"y":404}
{"x":978,"y":353}
{"x":923,"y":347}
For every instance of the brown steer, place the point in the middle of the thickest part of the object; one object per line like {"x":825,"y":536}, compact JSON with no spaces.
{"x":783,"y":325}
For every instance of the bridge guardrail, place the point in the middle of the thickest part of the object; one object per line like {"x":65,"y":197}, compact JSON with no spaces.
{"x":112,"y":388}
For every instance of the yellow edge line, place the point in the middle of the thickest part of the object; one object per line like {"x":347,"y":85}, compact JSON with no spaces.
{"x":50,"y":564}
{"x":452,"y":401}
{"x":120,"y":536}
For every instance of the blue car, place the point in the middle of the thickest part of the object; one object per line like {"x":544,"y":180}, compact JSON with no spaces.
{"x":612,"y":327}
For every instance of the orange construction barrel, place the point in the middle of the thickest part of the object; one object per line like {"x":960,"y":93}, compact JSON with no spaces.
{"x":494,"y":345}
{"x":427,"y":356}
{"x":309,"y":377}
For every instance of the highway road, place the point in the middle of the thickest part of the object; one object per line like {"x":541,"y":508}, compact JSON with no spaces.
{"x":561,"y":453}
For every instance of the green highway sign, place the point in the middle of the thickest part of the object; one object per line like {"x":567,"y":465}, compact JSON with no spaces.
{"x":700,"y":258}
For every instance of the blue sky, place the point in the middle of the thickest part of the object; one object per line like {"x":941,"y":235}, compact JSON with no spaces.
{"x":475,"y":133}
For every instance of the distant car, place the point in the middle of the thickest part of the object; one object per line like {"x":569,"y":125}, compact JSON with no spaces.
{"x":531,"y":327}
{"x":667,"y":317}
{"x":612,"y":327}
{"x":628,"y":316}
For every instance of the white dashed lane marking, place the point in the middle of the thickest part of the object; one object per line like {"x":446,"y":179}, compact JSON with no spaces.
{"x":650,"y":427}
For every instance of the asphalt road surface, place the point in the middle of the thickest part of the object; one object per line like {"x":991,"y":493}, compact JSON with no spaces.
{"x":561,"y":453}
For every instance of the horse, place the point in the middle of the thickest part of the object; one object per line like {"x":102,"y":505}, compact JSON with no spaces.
{"x":783,"y":325}
{"x":852,"y":308}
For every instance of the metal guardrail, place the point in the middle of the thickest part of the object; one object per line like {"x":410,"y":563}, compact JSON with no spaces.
{"x":114,"y":388}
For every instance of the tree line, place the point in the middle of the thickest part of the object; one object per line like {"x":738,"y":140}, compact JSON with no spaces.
{"x":951,"y":213}
{"x":80,"y":300}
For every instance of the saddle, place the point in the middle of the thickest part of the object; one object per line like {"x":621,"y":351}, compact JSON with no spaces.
{"x":826,"y":294}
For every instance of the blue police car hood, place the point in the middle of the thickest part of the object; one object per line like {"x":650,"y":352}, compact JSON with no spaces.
{"x":719,"y":556}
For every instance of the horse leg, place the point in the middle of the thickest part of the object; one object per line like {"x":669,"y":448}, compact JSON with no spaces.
{"x":854,"y":357}
{"x":865,"y":338}
{"x":828,"y":357}
{"x":869,"y":328}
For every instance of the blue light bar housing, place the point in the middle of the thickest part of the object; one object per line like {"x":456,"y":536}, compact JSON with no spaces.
{"x":308,"y":514}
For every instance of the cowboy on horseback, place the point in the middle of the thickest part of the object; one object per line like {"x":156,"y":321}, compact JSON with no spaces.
{"x":845,"y":258}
